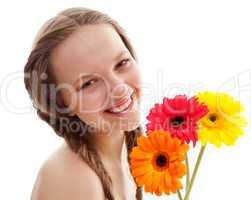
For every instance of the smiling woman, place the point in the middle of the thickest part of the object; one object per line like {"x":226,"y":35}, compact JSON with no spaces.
{"x":84,"y":81}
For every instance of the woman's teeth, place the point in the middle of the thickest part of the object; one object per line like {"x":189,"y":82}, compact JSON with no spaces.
{"x":121,"y":108}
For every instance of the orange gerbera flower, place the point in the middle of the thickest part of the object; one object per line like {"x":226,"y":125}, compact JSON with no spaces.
{"x":156,"y":162}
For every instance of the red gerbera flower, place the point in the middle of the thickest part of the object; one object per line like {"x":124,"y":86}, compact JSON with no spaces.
{"x":179,"y":116}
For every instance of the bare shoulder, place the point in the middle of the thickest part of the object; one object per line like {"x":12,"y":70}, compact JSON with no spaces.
{"x":65,"y":176}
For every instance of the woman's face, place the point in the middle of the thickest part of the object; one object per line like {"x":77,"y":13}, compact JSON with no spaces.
{"x":96,"y":72}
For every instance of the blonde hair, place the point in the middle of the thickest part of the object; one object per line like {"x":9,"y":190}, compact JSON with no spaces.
{"x":38,"y":77}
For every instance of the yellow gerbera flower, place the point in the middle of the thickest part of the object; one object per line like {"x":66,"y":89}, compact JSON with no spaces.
{"x":223,"y":124}
{"x":156,"y":162}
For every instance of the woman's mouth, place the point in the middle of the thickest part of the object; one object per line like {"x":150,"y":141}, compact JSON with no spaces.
{"x":122,"y":109}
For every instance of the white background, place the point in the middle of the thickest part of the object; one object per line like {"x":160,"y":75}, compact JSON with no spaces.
{"x":190,"y":45}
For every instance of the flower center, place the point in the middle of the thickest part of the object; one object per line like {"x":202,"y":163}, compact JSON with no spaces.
{"x":212,"y":118}
{"x":161,"y":160}
{"x":177,"y":121}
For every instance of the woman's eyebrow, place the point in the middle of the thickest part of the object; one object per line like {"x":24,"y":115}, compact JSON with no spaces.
{"x":121,"y":54}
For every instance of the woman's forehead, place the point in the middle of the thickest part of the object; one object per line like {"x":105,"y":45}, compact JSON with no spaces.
{"x":87,"y":50}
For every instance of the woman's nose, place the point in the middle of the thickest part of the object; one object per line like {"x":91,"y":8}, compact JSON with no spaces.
{"x":119,"y":89}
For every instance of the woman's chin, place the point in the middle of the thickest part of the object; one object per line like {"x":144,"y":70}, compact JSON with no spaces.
{"x":131,"y":125}
{"x":131,"y":128}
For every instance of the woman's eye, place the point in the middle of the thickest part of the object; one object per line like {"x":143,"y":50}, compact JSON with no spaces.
{"x":123,"y":62}
{"x":87,"y":84}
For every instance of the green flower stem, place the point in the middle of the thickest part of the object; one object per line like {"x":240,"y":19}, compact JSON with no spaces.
{"x":187,"y":172}
{"x":195,"y":171}
{"x":179,"y":195}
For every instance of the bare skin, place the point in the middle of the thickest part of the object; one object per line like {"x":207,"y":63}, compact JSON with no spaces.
{"x":98,"y":51}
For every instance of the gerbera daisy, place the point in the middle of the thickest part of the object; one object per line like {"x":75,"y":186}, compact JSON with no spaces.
{"x":223,"y":123}
{"x":156,"y":162}
{"x":178,"y":116}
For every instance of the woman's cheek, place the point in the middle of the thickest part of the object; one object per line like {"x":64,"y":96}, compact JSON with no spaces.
{"x":135,"y":79}
{"x":93,"y":100}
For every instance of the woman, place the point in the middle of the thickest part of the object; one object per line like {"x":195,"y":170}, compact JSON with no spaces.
{"x":83,"y":79}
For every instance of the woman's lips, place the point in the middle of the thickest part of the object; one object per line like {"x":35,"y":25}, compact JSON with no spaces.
{"x":124,"y":101}
{"x":120,"y":103}
{"x":124,"y":111}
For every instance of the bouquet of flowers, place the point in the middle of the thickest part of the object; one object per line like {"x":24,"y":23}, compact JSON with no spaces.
{"x":160,"y":159}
